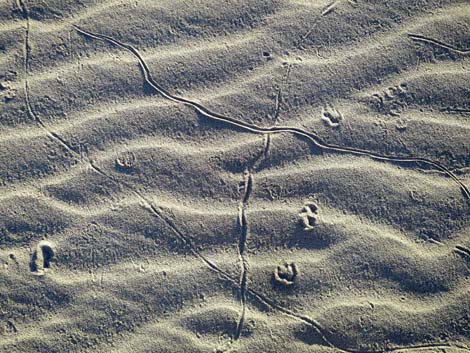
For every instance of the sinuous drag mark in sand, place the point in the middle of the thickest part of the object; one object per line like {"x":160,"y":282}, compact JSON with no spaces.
{"x":246,"y":189}
{"x":420,"y":38}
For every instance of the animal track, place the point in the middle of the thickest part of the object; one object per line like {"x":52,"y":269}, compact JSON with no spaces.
{"x":275,"y":116}
{"x":125,"y":161}
{"x":462,"y":251}
{"x":310,"y":209}
{"x":11,"y":259}
{"x":8,"y":328}
{"x":437,"y":43}
{"x":332,"y":116}
{"x":42,"y":257}
{"x":7,"y":91}
{"x":392,"y":100}
{"x":246,"y":187}
{"x":455,"y":110}
{"x":309,"y":215}
{"x":286,"y":275}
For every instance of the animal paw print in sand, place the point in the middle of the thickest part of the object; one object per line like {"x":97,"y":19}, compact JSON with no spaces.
{"x":125,"y":161}
{"x":309,"y":215}
{"x":332,"y":116}
{"x":42,"y":258}
{"x":286,"y":275}
{"x":7,"y":91}
{"x":393,"y":100}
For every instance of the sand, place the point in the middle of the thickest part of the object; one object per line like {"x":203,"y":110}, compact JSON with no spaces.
{"x":240,"y":176}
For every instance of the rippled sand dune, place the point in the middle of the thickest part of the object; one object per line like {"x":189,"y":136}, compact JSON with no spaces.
{"x":234,"y":176}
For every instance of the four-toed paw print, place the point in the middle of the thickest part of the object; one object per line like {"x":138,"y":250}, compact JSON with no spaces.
{"x":309,"y":215}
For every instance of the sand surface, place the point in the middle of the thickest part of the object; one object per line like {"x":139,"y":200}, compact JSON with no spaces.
{"x":275,"y":176}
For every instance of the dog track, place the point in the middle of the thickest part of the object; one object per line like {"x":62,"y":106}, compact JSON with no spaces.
{"x":156,"y":211}
{"x":249,"y":127}
{"x":125,"y":161}
{"x":309,"y":216}
{"x":331,"y":116}
{"x":286,"y":274}
{"x":312,"y":137}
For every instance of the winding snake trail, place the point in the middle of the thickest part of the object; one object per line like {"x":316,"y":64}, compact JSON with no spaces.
{"x":312,"y":137}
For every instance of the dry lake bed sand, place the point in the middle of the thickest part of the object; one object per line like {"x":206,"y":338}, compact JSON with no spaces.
{"x":234,"y":176}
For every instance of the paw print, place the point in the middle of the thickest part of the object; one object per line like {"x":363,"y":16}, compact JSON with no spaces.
{"x":7,"y":91}
{"x":42,"y":258}
{"x":286,"y":274}
{"x":309,"y":215}
{"x":393,"y":100}
{"x":125,"y":161}
{"x":332,"y":116}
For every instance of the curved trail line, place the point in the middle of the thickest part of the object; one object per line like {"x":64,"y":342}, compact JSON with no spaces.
{"x":420,"y":38}
{"x":315,"y":139}
{"x":426,"y":346}
{"x":29,"y":108}
{"x":26,"y":55}
{"x":244,"y":232}
{"x":158,"y":213}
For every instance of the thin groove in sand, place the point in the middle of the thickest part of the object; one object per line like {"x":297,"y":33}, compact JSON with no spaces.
{"x":244,"y":231}
{"x":27,"y":53}
{"x":437,"y":43}
{"x":463,"y":251}
{"x":156,"y":212}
